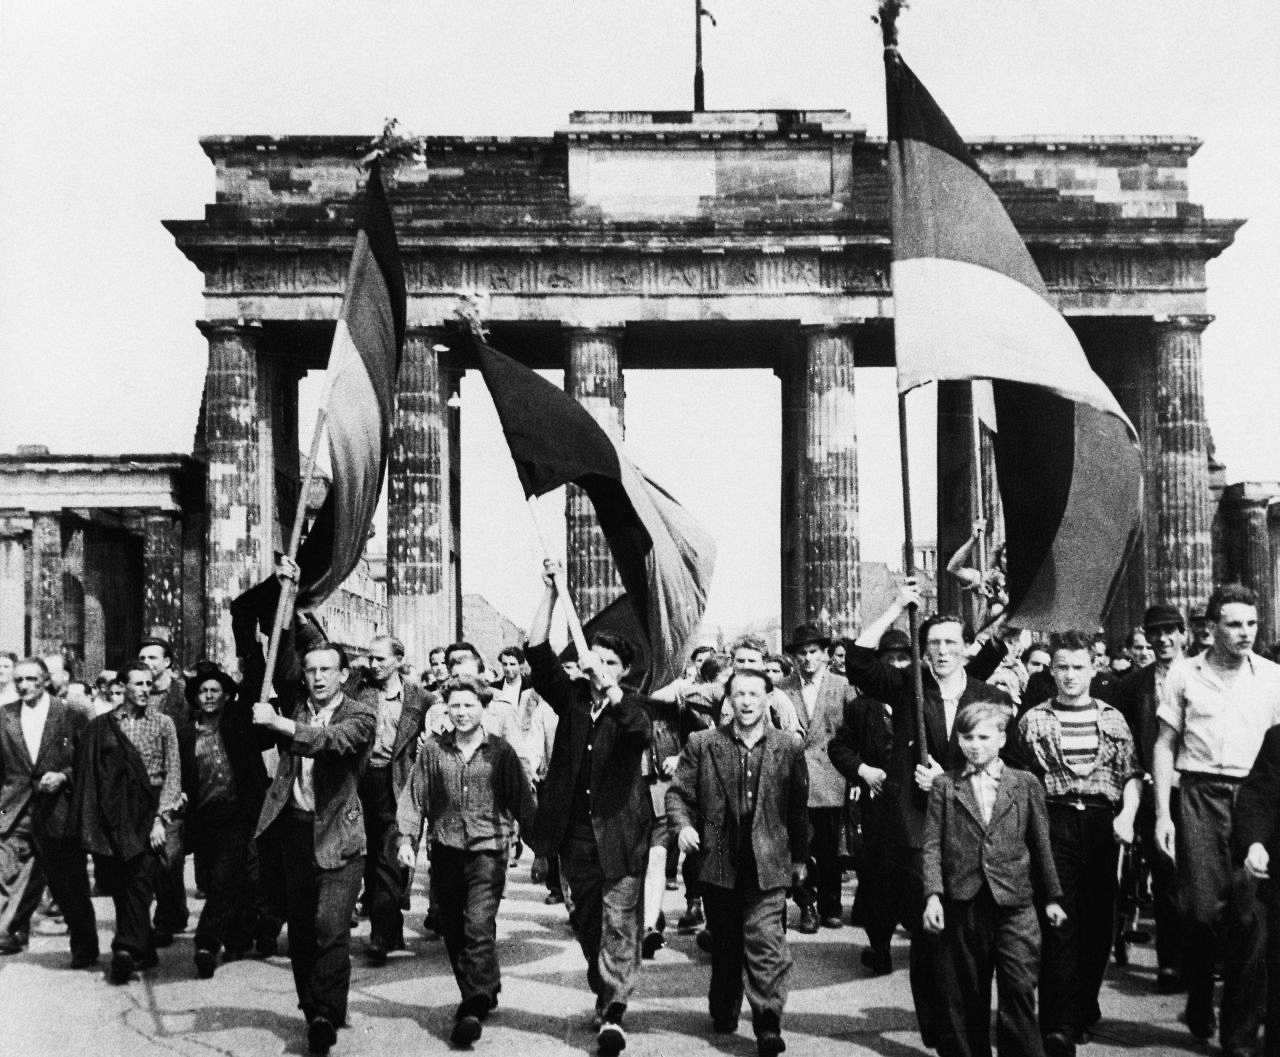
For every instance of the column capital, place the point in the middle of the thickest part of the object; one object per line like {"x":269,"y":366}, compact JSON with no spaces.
{"x":612,"y":331}
{"x":834,"y":327}
{"x":1189,"y":322}
{"x":229,"y":328}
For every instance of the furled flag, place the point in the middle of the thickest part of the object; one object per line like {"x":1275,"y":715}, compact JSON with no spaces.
{"x":969,"y":303}
{"x":664,"y":558}
{"x":358,"y":405}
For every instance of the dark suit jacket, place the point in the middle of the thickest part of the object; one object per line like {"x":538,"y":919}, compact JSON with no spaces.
{"x":413,"y":714}
{"x":704,"y":795}
{"x":827,"y":786}
{"x":866,"y":736}
{"x":243,"y":744}
{"x":340,"y":751}
{"x":621,"y":810}
{"x":1135,"y":697}
{"x":19,"y":774}
{"x":960,"y":853}
{"x":883,"y":682}
{"x":1257,"y":811}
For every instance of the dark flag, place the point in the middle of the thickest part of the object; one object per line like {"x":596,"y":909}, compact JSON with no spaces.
{"x":664,"y":558}
{"x":970,"y":304}
{"x":358,"y":405}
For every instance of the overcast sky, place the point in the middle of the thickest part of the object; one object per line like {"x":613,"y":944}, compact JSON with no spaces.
{"x":102,"y":105}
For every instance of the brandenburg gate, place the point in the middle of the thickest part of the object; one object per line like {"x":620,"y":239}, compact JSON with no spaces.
{"x":631,"y":240}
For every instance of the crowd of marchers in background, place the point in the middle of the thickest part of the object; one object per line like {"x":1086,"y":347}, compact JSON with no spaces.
{"x":1011,"y":819}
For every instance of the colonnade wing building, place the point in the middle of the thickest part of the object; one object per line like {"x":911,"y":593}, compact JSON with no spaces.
{"x":632,"y":240}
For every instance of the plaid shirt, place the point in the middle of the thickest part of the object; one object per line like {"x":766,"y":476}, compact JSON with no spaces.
{"x":152,"y":733}
{"x":468,"y":804}
{"x":1116,"y":763}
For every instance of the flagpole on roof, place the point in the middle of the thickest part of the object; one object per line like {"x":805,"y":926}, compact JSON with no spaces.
{"x":888,"y":20}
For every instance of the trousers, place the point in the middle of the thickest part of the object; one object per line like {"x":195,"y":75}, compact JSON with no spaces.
{"x":318,"y":908}
{"x":982,"y":939}
{"x":469,"y":887}
{"x":607,"y":918}
{"x":384,"y":877}
{"x":750,"y":953}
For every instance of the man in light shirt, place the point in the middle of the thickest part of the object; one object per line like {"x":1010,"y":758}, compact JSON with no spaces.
{"x":312,"y":814}
{"x":1214,"y":713}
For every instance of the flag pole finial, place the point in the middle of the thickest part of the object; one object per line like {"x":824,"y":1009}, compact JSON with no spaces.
{"x":888,"y":21}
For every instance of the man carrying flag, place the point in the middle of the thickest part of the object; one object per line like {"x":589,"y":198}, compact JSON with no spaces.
{"x":595,"y":812}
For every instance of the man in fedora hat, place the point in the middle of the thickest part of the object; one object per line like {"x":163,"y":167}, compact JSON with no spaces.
{"x":819,"y":698}
{"x":1138,"y":697}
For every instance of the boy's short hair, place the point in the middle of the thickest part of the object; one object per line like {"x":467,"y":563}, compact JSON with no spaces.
{"x":467,"y":682}
{"x":1226,"y":595}
{"x":625,"y":652}
{"x":976,"y":712}
{"x":1071,"y":641}
{"x":753,"y":673}
{"x":344,"y":662}
{"x":514,"y":652}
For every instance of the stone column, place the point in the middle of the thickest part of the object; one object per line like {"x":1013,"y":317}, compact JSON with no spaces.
{"x":829,"y":481}
{"x":13,"y":589}
{"x":418,"y":502}
{"x":791,"y":373}
{"x":162,"y":580}
{"x":47,"y":602}
{"x":235,"y":557}
{"x":593,"y":377}
{"x":1183,"y":571}
{"x":1248,"y":545}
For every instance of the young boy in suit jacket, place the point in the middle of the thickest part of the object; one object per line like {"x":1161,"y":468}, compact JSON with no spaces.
{"x":985,"y":832}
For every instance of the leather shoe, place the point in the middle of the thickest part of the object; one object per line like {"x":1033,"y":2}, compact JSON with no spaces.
{"x":206,"y":963}
{"x":553,"y":899}
{"x":1057,"y":1044}
{"x":466,"y":1029}
{"x":832,"y":921}
{"x":769,"y":1044}
{"x":13,"y":943}
{"x":691,"y":919}
{"x":1169,"y":982}
{"x":651,"y":944}
{"x":877,"y":962}
{"x":611,"y":1040}
{"x":122,"y":968}
{"x":321,"y":1035}
{"x":808,"y":920}
{"x":376,"y":952}
{"x":703,"y":940}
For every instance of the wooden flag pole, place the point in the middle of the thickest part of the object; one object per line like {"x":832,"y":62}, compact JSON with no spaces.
{"x":576,"y":633}
{"x":909,"y":564}
{"x":888,"y":19}
{"x":289,"y":589}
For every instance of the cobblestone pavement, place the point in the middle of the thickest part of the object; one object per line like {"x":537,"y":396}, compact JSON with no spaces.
{"x":406,"y":1007}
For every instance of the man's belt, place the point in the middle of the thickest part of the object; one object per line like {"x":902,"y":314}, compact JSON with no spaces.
{"x":1082,"y":802}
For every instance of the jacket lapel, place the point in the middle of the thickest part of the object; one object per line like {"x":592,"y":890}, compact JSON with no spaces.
{"x":1004,"y":796}
{"x":404,"y":725}
{"x":966,"y":796}
{"x":12,"y":728}
{"x":52,"y":725}
{"x":724,"y":760}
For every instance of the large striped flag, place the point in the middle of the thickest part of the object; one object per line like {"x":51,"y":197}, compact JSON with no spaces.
{"x":664,"y":559}
{"x":969,"y":303}
{"x":359,"y":402}
{"x":357,"y":410}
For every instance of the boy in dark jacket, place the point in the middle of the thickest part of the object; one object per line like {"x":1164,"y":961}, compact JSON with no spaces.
{"x":985,"y":830}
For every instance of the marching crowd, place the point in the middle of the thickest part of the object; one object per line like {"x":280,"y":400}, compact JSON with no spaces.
{"x":986,"y":822}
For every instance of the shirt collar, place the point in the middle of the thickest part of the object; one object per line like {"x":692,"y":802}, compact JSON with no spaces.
{"x":995,"y":768}
{"x":450,"y":740}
